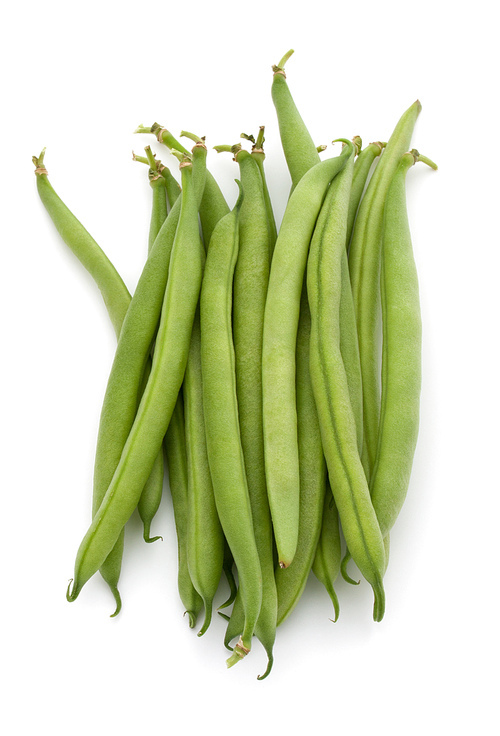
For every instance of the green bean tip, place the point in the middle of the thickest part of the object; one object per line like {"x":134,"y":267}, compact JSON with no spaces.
{"x":379,"y":602}
{"x":150,"y":540}
{"x":118,"y":601}
{"x":74,"y":593}
{"x":343,"y":570}
{"x":192,"y":618}
{"x":270,"y":663}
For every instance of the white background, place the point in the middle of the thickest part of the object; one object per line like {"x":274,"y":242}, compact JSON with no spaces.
{"x":78,"y":79}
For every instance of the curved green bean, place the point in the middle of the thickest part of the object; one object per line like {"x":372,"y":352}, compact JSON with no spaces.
{"x":159,"y":398}
{"x":364,"y":267}
{"x":331,"y":392}
{"x":117,"y":300}
{"x":225,"y":453}
{"x":150,"y":499}
{"x":401,"y":356}
{"x":279,"y":347}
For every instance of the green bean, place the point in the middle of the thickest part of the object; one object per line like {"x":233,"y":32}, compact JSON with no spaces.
{"x":362,"y":167}
{"x":401,"y":356}
{"x":331,"y":392}
{"x":117,"y":300}
{"x":150,"y":499}
{"x":225,"y":453}
{"x":160,"y":395}
{"x":312,"y":469}
{"x":364,"y":266}
{"x":302,"y":154}
{"x":279,"y":346}
{"x":176,"y":455}
{"x":251,"y":278}
{"x":205,"y":540}
{"x":291,"y":581}
{"x":326,"y":563}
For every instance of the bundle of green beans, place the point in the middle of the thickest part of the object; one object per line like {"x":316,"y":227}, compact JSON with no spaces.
{"x":250,"y":360}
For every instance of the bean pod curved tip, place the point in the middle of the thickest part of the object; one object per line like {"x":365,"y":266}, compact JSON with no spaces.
{"x":379,"y":602}
{"x":208,"y":617}
{"x":75,"y":590}
{"x":146,"y":534}
{"x":118,"y":601}
{"x":343,"y":570}
{"x":335,"y":601}
{"x":270,"y":663}
{"x":192,"y":618}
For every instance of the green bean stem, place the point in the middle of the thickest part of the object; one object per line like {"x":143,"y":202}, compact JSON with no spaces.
{"x":279,"y":348}
{"x":225,"y":454}
{"x":401,"y":355}
{"x":159,"y":398}
{"x":331,"y":390}
{"x":364,"y":266}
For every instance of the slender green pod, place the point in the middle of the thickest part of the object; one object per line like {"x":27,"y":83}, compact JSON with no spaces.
{"x":159,"y":398}
{"x":299,"y":149}
{"x":364,"y":267}
{"x":362,"y":167}
{"x":326,"y":563}
{"x":225,"y":454}
{"x":150,"y":499}
{"x":291,"y":581}
{"x":117,"y":299}
{"x":205,"y":540}
{"x":251,"y":278}
{"x":331,"y":392}
{"x":176,"y":456}
{"x":279,"y":351}
{"x":401,"y":355}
